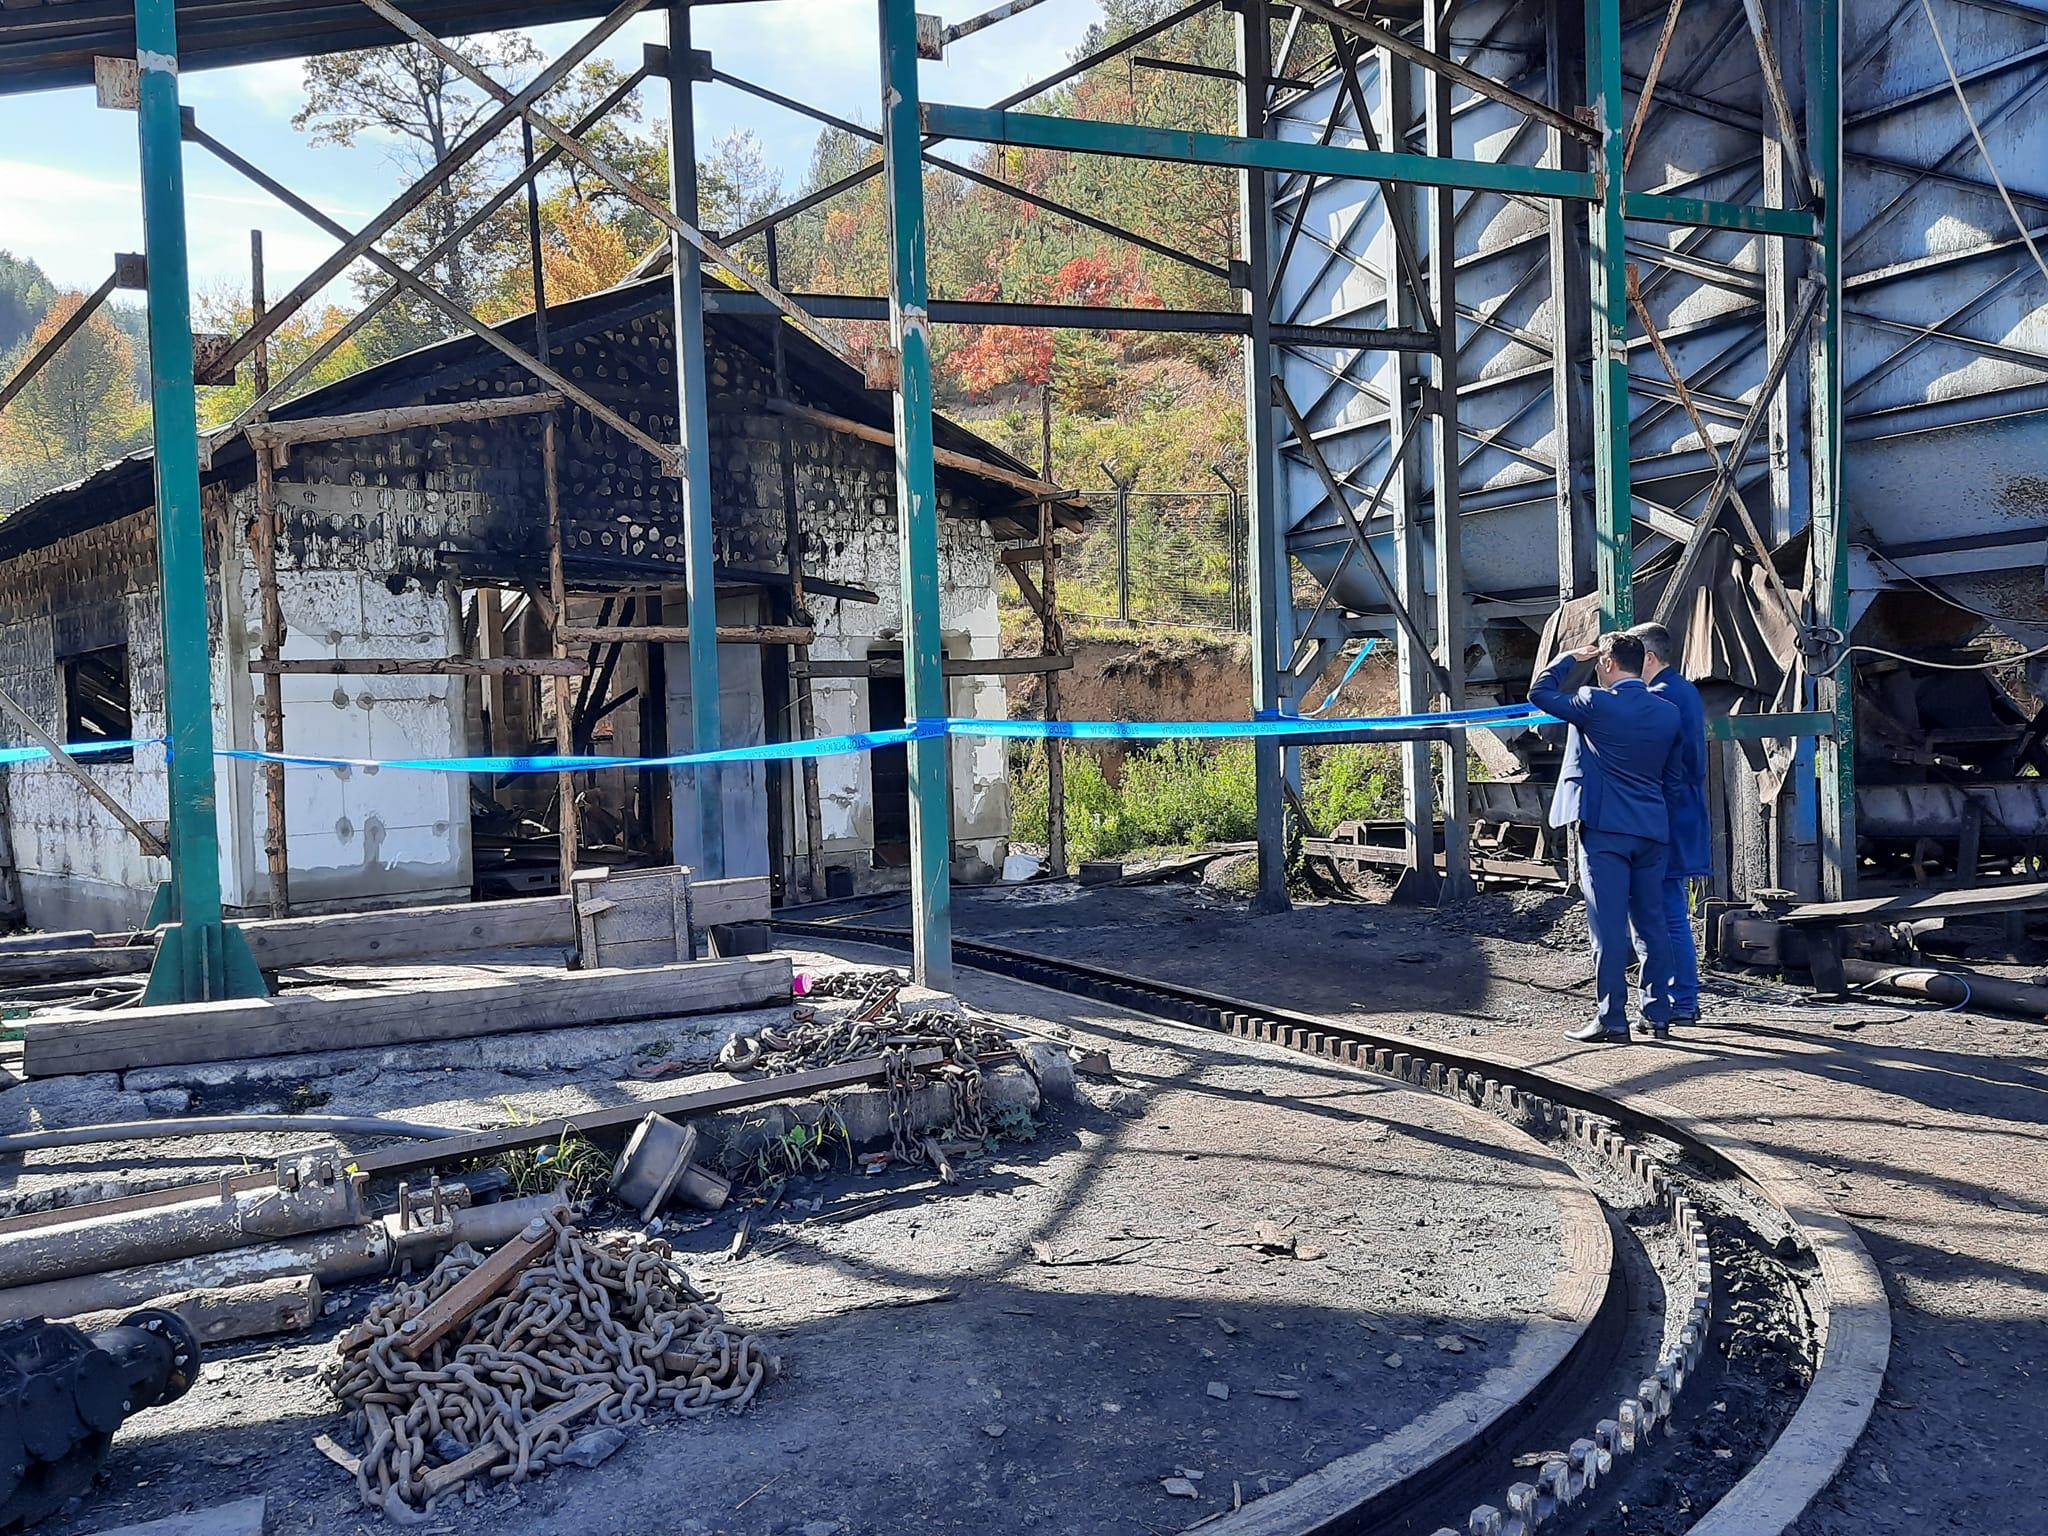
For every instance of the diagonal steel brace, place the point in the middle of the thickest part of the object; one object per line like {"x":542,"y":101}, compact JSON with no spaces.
{"x":1699,"y":425}
{"x":1810,"y":293}
{"x":359,"y":243}
{"x":1335,"y":491}
{"x":376,"y":306}
{"x":576,"y":150}
{"x":668,"y":455}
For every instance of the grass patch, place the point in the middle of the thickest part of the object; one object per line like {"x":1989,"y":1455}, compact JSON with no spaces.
{"x":1184,"y":793}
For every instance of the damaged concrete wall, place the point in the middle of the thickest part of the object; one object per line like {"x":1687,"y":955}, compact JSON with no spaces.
{"x":846,"y":495}
{"x":379,"y":535}
{"x":78,"y":867}
{"x":351,"y":583}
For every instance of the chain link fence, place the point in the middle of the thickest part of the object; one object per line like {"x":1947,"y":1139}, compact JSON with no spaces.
{"x":1158,"y":557}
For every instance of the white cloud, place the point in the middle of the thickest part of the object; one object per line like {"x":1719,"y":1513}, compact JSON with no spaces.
{"x":72,"y":223}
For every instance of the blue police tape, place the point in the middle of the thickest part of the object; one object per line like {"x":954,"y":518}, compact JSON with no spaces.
{"x":76,"y":749}
{"x":1350,"y":672}
{"x":773,"y":751}
{"x":1290,"y":727}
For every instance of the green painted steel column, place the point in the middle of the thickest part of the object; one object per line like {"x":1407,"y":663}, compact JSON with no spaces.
{"x":693,"y":433}
{"x":1265,"y":524}
{"x":917,"y":507}
{"x":1614,"y":530}
{"x":1836,"y":758}
{"x":199,"y":957}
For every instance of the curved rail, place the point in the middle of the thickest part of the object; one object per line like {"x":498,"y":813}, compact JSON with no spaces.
{"x":1852,"y":1319}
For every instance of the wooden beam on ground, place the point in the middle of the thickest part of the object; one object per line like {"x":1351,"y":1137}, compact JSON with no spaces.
{"x":742,"y":899}
{"x":221,"y":1314}
{"x":68,"y":964}
{"x":442,"y":1479}
{"x":439,"y":1153}
{"x":412,"y":1157}
{"x":408,"y":933}
{"x":425,"y":666}
{"x":151,"y":844}
{"x":949,"y":458}
{"x":679,"y":634}
{"x":224,"y":1031}
{"x":398,"y":418}
{"x":955,"y":666}
{"x":456,"y":1305}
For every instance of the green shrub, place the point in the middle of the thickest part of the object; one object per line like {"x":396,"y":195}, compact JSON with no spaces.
{"x":1183,"y":793}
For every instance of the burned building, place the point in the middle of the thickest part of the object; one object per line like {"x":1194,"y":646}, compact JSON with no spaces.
{"x":413,"y":615}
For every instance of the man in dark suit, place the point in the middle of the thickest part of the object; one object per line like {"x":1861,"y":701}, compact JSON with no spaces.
{"x":1622,"y":759}
{"x":1691,"y":855}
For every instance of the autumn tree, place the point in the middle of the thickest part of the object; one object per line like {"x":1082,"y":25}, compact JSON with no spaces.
{"x":416,"y":107}
{"x":226,"y":310}
{"x":25,"y":295}
{"x":79,"y":411}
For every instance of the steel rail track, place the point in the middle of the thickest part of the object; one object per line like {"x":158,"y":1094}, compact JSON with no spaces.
{"x":1851,"y":1319}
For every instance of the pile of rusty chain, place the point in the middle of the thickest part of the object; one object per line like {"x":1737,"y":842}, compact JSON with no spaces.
{"x":616,"y":1323}
{"x":873,"y":1027}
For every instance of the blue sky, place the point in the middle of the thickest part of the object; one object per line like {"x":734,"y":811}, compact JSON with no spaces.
{"x":68,"y":169}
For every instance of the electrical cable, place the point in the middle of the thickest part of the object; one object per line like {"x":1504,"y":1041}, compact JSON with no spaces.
{"x":1991,"y":665}
{"x":2029,"y":621}
{"x":1962,"y":100}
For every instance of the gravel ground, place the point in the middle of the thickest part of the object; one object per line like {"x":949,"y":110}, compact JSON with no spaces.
{"x":1043,"y":1346}
{"x":1924,"y":1128}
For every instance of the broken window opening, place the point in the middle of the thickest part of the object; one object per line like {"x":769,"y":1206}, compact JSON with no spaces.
{"x":96,"y":700}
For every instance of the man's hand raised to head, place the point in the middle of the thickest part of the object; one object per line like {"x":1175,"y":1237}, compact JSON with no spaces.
{"x":1587,"y":652}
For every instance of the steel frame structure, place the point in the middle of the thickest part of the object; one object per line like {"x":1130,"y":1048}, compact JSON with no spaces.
{"x":201,"y":956}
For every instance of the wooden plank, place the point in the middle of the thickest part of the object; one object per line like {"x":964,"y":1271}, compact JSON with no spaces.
{"x":409,"y":933}
{"x":288,"y":1304}
{"x":950,"y":458}
{"x":400,"y":418}
{"x":679,"y":634}
{"x":223,"y":1031}
{"x":244,"y":1517}
{"x":437,"y":1482}
{"x":456,"y":1305}
{"x":69,"y":964}
{"x":954,"y":666}
{"x":424,"y":666}
{"x":1976,"y":901}
{"x":742,"y":899}
{"x":411,"y":1156}
{"x":415,"y":1157}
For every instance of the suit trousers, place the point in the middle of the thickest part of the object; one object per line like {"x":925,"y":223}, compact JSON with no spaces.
{"x":1682,"y":994}
{"x":1623,"y":878}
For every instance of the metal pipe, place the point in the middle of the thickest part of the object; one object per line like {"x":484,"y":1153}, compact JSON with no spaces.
{"x":210,"y":1125}
{"x":348,"y":1254}
{"x":1958,"y":989}
{"x":314,"y":1194}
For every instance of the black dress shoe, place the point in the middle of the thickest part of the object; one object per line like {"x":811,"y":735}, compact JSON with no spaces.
{"x":1597,"y":1031}
{"x":1676,"y":1021}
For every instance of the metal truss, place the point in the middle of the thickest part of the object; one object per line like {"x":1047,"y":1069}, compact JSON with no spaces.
{"x":1585,"y":135}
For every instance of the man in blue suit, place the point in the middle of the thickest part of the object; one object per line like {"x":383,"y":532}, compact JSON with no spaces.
{"x":1691,"y":854}
{"x":1622,"y":760}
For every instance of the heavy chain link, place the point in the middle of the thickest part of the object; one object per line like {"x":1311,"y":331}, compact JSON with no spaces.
{"x":618,"y":1316}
